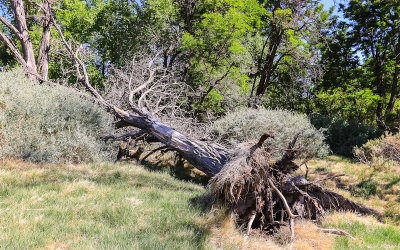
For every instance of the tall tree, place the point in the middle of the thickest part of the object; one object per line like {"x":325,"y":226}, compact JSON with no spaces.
{"x":375,"y":28}
{"x":289,"y":27}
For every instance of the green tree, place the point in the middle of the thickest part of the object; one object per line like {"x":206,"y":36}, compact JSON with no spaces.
{"x":374,"y":31}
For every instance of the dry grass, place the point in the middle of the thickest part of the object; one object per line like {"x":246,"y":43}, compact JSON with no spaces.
{"x":362,"y":183}
{"x":226,"y":235}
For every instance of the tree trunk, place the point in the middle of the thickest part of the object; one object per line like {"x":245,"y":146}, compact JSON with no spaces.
{"x":204,"y":156}
{"x":26,"y":43}
{"x":268,"y":69}
{"x":44,"y":50}
{"x":380,"y":91}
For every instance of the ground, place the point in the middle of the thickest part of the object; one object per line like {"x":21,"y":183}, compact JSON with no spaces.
{"x":133,"y":206}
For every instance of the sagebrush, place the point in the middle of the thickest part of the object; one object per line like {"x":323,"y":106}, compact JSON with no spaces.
{"x":249,"y":124}
{"x":41,"y":123}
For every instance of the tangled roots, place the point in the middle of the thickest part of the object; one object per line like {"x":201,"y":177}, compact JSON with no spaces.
{"x":267,"y":195}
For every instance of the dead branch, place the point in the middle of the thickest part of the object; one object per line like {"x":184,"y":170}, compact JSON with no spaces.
{"x":327,"y":178}
{"x":336,"y":231}
{"x":153,"y":151}
{"x":133,"y":134}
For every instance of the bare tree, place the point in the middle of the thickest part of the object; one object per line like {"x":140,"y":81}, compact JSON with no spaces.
{"x":36,"y":69}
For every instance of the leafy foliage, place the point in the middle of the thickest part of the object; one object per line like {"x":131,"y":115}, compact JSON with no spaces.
{"x":342,"y":135}
{"x":40,"y":123}
{"x":249,"y":124}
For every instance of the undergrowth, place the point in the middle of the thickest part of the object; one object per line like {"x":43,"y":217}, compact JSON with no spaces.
{"x":41,"y":123}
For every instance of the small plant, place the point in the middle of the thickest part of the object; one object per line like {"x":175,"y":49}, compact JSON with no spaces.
{"x":380,"y":152}
{"x":249,"y":124}
{"x":40,"y":123}
{"x":392,"y":210}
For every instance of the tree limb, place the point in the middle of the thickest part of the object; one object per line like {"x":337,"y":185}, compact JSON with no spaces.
{"x":336,"y":231}
{"x":133,"y":134}
{"x":153,"y":151}
{"x":11,"y":27}
{"x":13,"y":50}
{"x":327,"y":178}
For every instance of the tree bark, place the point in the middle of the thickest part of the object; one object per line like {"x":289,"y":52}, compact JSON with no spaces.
{"x":27,"y":57}
{"x":206,"y":157}
{"x":44,"y":50}
{"x":268,"y":68}
{"x":26,"y":43}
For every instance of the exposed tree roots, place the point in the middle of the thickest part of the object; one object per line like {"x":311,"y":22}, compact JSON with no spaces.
{"x":266,"y":195}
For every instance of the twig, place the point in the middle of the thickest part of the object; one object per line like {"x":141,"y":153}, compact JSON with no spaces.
{"x":336,"y":231}
{"x":153,"y":151}
{"x":133,"y":134}
{"x":327,"y":178}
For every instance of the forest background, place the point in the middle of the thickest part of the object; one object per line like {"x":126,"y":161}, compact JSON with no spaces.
{"x":340,"y":66}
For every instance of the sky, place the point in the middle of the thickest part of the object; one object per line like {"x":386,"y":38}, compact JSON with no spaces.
{"x":329,"y":3}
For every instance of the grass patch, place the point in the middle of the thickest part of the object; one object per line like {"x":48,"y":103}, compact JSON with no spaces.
{"x":97,"y":206}
{"x":128,"y":206}
{"x":369,"y":233}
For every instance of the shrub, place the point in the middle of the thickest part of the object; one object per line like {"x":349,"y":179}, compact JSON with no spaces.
{"x":343,"y":135}
{"x":249,"y":124}
{"x":39,"y":123}
{"x":384,"y":150}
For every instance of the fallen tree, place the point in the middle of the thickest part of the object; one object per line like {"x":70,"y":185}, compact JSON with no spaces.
{"x":263,"y":193}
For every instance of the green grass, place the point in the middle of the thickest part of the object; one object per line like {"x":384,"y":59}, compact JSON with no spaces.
{"x":107,"y":206}
{"x":368,"y":235}
{"x":126,"y":206}
{"x":376,"y":186}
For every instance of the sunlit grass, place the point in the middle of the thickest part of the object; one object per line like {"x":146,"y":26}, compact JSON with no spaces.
{"x":120,"y":206}
{"x":126,"y":206}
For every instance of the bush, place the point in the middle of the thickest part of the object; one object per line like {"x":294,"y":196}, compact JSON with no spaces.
{"x":39,"y":123}
{"x":343,"y":135}
{"x":381,"y":151}
{"x":249,"y":124}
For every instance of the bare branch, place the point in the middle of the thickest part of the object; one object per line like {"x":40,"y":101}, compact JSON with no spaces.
{"x":11,"y":27}
{"x":336,"y":231}
{"x":327,"y":178}
{"x":133,"y":134}
{"x":85,"y":81}
{"x":13,"y":50}
{"x":153,"y":151}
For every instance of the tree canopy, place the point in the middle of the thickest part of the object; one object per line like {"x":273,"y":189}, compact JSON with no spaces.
{"x":289,"y":54}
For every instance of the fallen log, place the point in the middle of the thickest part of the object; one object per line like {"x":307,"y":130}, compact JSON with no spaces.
{"x":262,"y":193}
